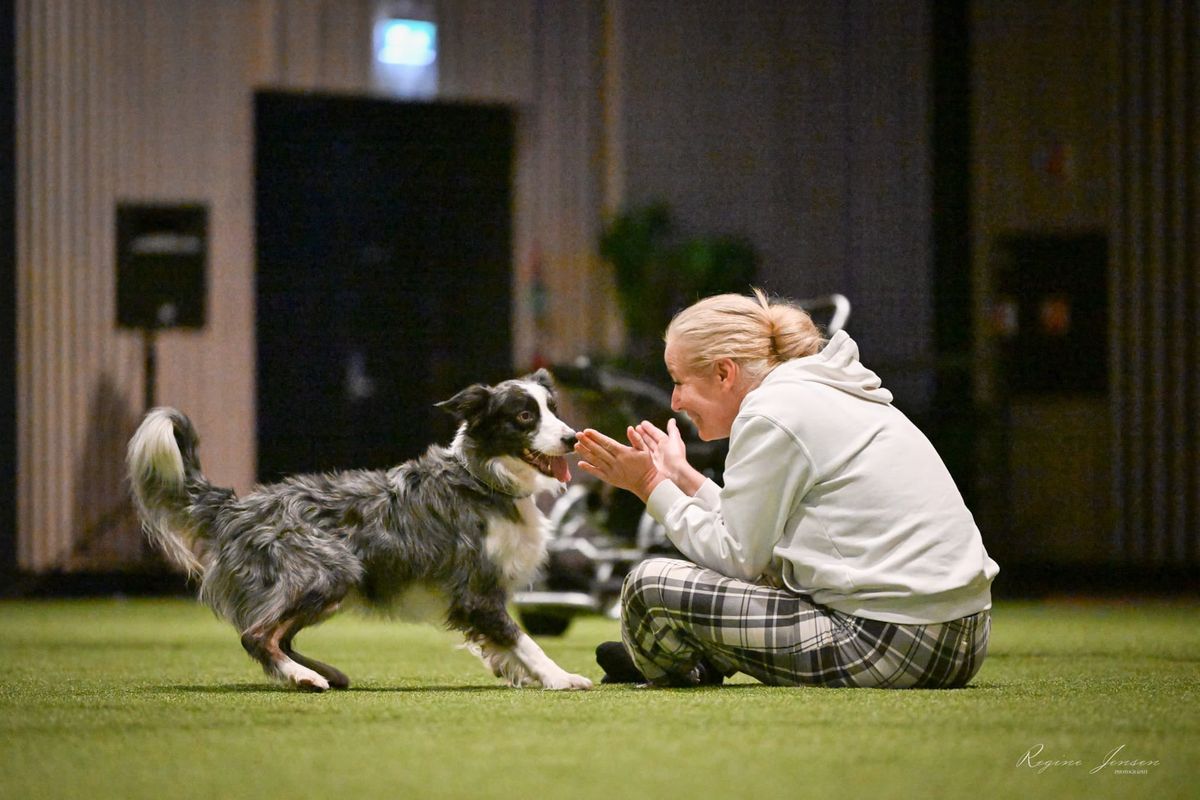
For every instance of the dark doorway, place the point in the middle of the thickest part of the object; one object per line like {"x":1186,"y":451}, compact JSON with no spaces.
{"x":384,"y":273}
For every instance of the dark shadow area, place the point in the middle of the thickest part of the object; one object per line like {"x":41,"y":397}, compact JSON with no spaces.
{"x":249,"y":688}
{"x":109,"y":556}
{"x":109,"y":535}
{"x":64,"y":585}
{"x":1042,"y":580}
{"x":1015,"y":582}
{"x":8,"y":290}
{"x":952,"y":423}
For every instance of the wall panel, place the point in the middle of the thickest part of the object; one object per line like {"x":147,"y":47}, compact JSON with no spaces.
{"x":151,"y":100}
{"x":121,"y":101}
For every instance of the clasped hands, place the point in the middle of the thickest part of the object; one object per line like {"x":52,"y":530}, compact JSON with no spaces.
{"x":652,"y":456}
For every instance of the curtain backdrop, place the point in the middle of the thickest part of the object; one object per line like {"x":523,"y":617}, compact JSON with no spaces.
{"x":1155,"y":339}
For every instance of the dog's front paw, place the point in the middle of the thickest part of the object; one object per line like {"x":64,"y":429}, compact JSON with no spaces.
{"x":566,"y":682}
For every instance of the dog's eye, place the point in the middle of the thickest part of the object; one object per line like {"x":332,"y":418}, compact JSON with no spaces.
{"x":525,"y":417}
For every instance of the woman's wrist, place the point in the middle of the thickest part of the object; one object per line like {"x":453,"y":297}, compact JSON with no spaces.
{"x":688,"y":479}
{"x":647,"y":487}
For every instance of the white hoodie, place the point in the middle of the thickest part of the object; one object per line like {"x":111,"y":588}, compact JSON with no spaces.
{"x":831,"y":489}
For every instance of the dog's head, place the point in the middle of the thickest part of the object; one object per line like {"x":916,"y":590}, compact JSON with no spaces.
{"x":512,"y":429}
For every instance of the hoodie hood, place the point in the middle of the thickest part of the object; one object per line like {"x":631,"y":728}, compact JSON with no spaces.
{"x":838,"y":366}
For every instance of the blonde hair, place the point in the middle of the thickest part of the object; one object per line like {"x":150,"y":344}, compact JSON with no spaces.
{"x":755,"y":332}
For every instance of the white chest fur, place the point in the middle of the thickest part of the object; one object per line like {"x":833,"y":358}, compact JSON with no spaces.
{"x":518,"y":548}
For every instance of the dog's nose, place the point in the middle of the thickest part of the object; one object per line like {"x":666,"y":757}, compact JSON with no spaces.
{"x":570,"y":439}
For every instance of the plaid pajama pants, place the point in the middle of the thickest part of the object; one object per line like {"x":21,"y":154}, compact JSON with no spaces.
{"x":673,"y":613}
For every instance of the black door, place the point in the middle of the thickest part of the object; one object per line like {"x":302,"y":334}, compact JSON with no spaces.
{"x":384,"y":273}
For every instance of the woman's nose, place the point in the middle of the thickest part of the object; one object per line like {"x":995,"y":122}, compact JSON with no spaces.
{"x":675,"y":399}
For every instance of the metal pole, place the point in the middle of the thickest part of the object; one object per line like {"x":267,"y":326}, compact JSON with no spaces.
{"x":151,"y":371}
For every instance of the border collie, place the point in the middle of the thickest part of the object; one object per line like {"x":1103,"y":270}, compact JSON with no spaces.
{"x":457,"y":527}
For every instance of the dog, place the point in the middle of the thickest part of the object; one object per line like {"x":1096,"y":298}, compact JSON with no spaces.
{"x":456,"y":529}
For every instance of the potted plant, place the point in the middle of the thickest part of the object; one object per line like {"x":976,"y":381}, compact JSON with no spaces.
{"x":658,"y":273}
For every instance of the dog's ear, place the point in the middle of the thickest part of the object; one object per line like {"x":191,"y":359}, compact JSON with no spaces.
{"x":543,"y":377}
{"x":468,"y":403}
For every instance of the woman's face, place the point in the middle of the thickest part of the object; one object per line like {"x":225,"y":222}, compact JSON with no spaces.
{"x":709,"y":398}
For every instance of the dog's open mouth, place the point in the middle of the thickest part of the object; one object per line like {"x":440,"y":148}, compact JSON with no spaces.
{"x":550,"y":466}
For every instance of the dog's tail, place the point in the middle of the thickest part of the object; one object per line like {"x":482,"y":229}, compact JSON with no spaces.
{"x":164,"y":473}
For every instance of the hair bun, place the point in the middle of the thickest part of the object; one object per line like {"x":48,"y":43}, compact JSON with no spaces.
{"x":791,"y":333}
{"x":754,"y":331}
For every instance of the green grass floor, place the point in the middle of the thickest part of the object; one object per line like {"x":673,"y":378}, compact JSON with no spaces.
{"x":155,"y":699}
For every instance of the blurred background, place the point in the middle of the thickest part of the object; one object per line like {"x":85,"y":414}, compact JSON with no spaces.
{"x":305,"y":221}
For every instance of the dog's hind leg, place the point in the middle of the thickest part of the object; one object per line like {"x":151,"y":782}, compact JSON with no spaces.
{"x":337,"y":679}
{"x":264,"y":646}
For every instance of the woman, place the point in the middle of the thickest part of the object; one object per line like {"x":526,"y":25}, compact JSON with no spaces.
{"x":838,"y":552}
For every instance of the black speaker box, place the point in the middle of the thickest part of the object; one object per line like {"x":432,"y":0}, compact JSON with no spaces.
{"x":162,"y":261}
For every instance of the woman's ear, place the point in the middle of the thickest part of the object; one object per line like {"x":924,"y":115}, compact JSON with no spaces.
{"x":728,"y":372}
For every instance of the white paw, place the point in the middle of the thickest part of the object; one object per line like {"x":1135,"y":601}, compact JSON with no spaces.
{"x":305,"y":679}
{"x":566,"y":682}
{"x":317,"y":684}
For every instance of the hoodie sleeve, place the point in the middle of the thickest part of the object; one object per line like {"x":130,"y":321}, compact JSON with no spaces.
{"x":734,"y":531}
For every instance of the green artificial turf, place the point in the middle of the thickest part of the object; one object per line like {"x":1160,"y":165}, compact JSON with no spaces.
{"x":155,"y":699}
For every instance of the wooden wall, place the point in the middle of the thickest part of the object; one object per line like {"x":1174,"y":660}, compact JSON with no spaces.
{"x":124,"y":101}
{"x":805,"y":126}
{"x":152,"y":100}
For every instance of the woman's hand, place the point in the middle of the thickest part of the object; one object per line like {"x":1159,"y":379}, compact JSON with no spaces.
{"x":631,"y":468}
{"x":669,"y":454}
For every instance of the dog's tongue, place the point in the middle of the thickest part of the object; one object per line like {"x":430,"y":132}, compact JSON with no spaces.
{"x":561,"y":470}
